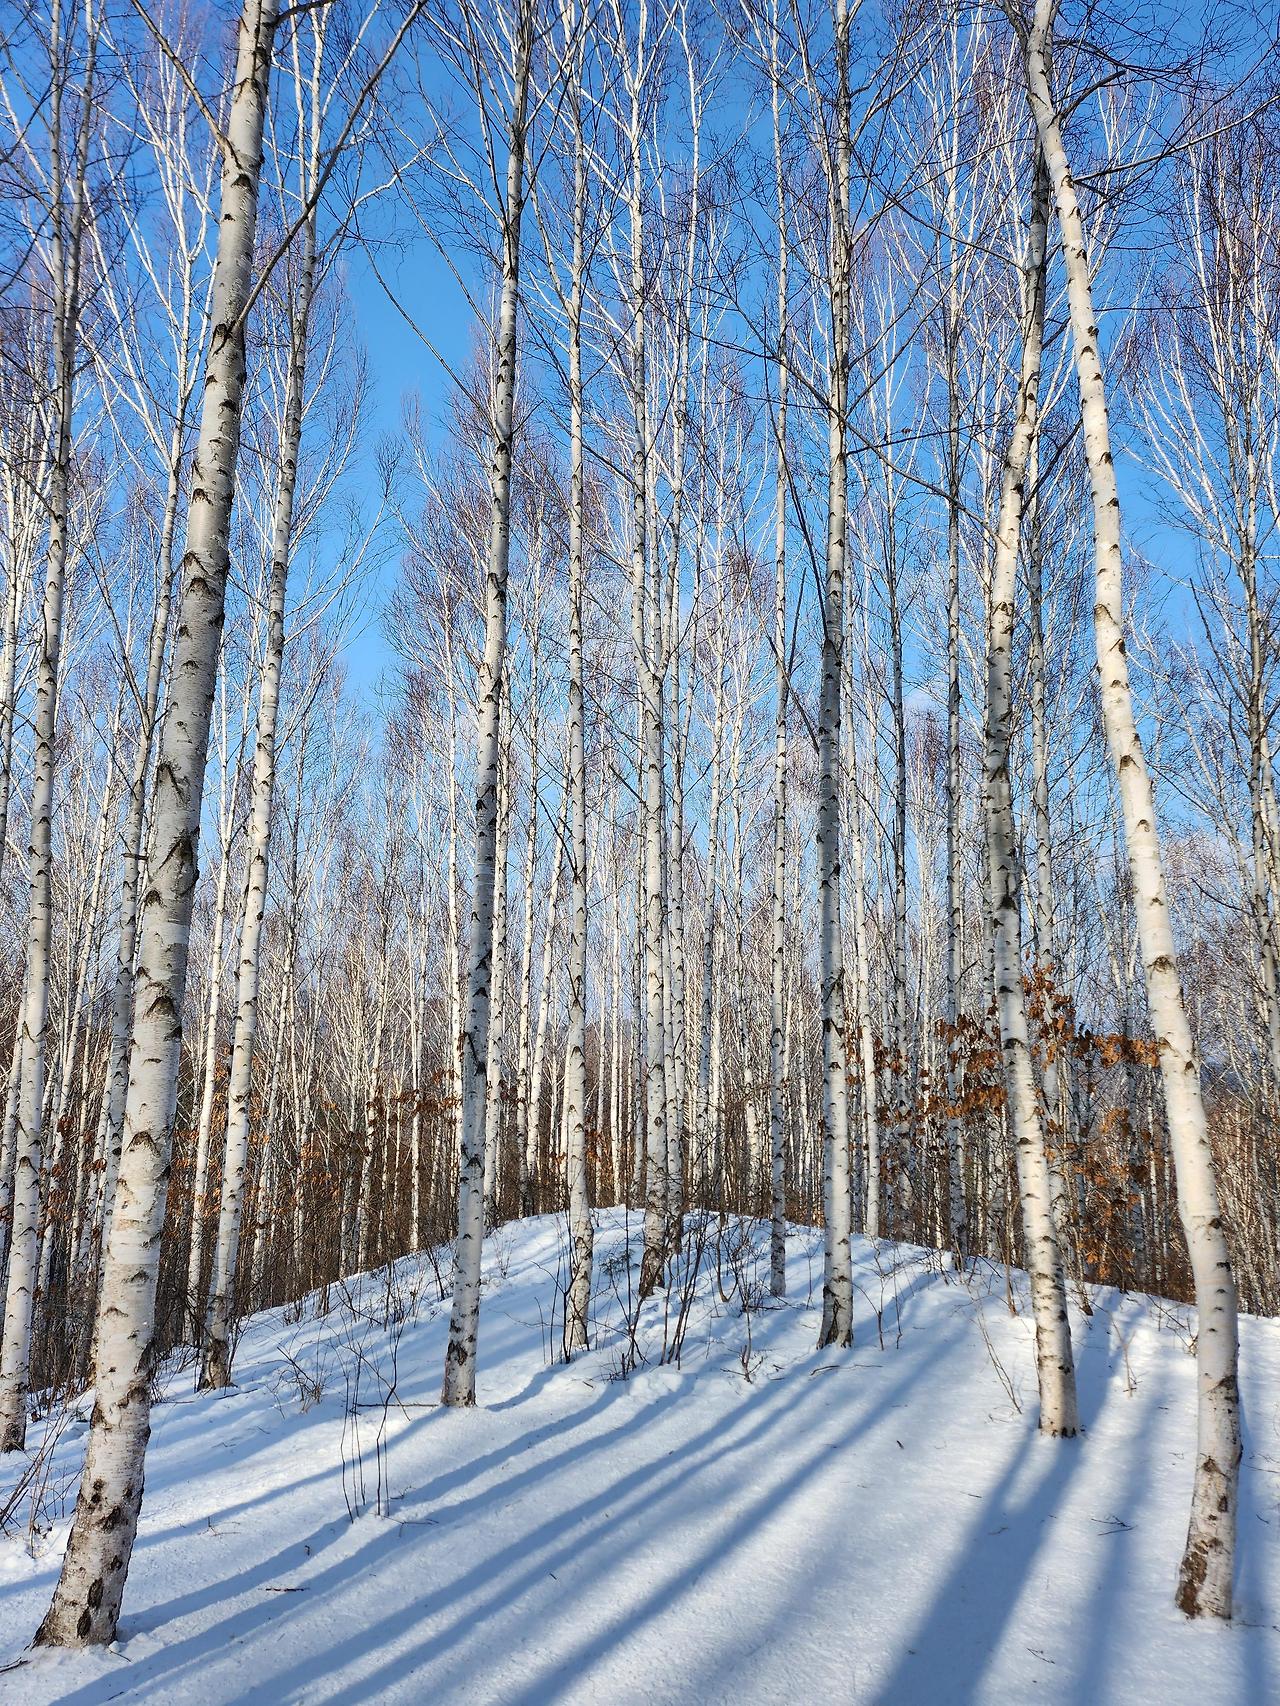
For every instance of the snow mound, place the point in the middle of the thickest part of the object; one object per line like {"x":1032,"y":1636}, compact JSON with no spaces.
{"x":702,"y":1509}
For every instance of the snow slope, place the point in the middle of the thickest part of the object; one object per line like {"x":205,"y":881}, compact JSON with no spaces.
{"x":763,"y":1523}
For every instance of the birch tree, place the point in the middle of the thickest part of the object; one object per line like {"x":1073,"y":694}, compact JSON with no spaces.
{"x":777,"y":1088}
{"x":1205,"y":1574}
{"x":86,"y":1602}
{"x":508,"y":130}
{"x":837,"y":1286}
{"x":157,"y":387}
{"x":308,"y":56}
{"x":581,"y":1231}
{"x":1059,"y":1412}
{"x":62,"y":200}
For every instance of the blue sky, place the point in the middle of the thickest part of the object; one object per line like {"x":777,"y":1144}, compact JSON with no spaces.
{"x":400,"y":367}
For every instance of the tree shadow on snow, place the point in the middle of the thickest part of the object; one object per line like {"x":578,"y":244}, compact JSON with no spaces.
{"x":946,"y":1658}
{"x":660,"y":1494}
{"x":664,"y":1492}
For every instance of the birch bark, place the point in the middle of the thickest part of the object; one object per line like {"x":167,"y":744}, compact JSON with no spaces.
{"x":216,"y":1362}
{"x":777,"y":1082}
{"x":459,"y":1386}
{"x":1055,"y":1368}
{"x":86,"y":1602}
{"x":498,"y":1000}
{"x":837,"y":1285}
{"x":67,"y":216}
{"x":200,"y":1210}
{"x":1205,"y":1574}
{"x":646,"y":634}
{"x":575,"y":1083}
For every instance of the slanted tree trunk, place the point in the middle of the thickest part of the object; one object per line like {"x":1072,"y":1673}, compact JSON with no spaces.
{"x":1205,"y":1574}
{"x":216,"y":1362}
{"x":86,"y":1602}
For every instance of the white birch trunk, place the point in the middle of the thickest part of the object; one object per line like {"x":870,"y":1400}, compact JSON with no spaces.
{"x":957,"y":1210}
{"x":837,"y":1283}
{"x":538,"y":1065}
{"x":216,"y":1363}
{"x":208,"y":1076}
{"x":1205,"y":1575}
{"x":67,"y":215}
{"x":1055,"y":1368}
{"x":866,"y":1029}
{"x":86,"y":1603}
{"x":498,"y":987}
{"x":459,"y":1387}
{"x":133,"y":831}
{"x":704,"y":1112}
{"x":8,"y":1143}
{"x":777,"y":984}
{"x":575,"y":1084}
{"x":646,"y":639}
{"x":526,"y":953}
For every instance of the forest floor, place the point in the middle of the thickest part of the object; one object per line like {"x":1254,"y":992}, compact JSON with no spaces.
{"x":760,"y":1523}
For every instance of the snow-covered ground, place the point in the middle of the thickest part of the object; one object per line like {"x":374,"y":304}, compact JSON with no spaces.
{"x":761,"y":1523}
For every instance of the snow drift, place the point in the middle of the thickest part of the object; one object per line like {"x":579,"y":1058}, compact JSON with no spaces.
{"x":702,"y":1509}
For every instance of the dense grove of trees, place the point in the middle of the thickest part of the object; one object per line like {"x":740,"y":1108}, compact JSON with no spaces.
{"x":851,"y":513}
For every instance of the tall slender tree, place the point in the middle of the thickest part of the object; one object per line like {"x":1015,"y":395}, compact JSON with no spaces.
{"x":512,"y":126}
{"x":1205,"y":1575}
{"x":63,"y":206}
{"x":86,"y":1603}
{"x":1059,"y":1411}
